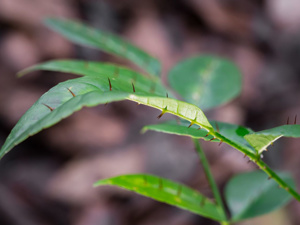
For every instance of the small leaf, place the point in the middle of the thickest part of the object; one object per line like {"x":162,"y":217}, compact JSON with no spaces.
{"x":253,"y":194}
{"x":167,"y":191}
{"x":233,"y":132}
{"x":183,"y":129}
{"x":262,"y":139}
{"x":84,"y":35}
{"x":206,"y":81}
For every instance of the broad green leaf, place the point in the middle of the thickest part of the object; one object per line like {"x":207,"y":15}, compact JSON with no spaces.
{"x":206,"y":81}
{"x":172,"y":127}
{"x":253,"y":194}
{"x":233,"y":132}
{"x":104,"y":70}
{"x":84,"y":35}
{"x":68,"y":97}
{"x":262,"y":139}
{"x":167,"y":191}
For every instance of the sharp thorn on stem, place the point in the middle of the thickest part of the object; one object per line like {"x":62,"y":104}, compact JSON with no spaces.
{"x":72,"y":93}
{"x":133,"y":88}
{"x":110,"y":87}
{"x":295,"y":121}
{"x":51,"y":109}
{"x":220,"y":143}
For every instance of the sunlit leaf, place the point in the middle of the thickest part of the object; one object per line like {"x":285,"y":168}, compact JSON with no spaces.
{"x":167,"y":191}
{"x":262,"y":139}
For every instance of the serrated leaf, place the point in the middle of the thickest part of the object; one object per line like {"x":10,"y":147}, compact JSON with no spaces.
{"x":84,"y":35}
{"x":262,"y":139}
{"x":253,"y":194}
{"x":167,"y":191}
{"x":206,"y":81}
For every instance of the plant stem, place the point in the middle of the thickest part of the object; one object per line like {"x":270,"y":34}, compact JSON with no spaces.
{"x":256,"y":159}
{"x":210,"y":179}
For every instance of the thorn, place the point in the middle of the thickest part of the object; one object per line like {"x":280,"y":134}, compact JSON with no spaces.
{"x":191,"y":124}
{"x":199,"y":128}
{"x":220,"y":143}
{"x":249,"y":161}
{"x":133,"y":87}
{"x":295,"y":121}
{"x":206,"y":135}
{"x":269,"y":178}
{"x":51,"y":109}
{"x":179,"y":190}
{"x":106,"y":104}
{"x":245,"y":155}
{"x":286,"y":188}
{"x":272,"y":143}
{"x":162,"y":113}
{"x":110,"y":87}
{"x":288,"y":120}
{"x":217,"y":126}
{"x":202,"y":203}
{"x":71,"y":92}
{"x":212,"y":139}
{"x":167,"y":95}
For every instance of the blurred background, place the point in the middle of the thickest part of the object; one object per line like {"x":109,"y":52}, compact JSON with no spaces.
{"x":48,"y":178}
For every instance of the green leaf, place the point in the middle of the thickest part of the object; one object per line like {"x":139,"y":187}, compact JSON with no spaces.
{"x":171,"y":127}
{"x":206,"y":81}
{"x":84,"y":35}
{"x":233,"y":132}
{"x":167,"y":191}
{"x":262,"y":139}
{"x":253,"y":194}
{"x":104,"y":70}
{"x":68,"y":97}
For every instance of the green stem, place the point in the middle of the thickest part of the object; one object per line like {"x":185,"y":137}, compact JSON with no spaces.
{"x":256,"y":159}
{"x":210,"y":179}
